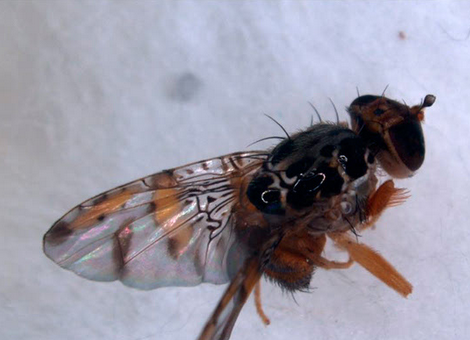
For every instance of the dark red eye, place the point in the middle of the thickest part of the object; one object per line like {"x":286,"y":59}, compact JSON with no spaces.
{"x":408,"y":141}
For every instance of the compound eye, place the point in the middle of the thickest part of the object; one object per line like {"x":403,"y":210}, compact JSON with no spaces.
{"x":408,"y":141}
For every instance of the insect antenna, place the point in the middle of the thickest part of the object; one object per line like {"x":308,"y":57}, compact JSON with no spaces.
{"x":316,"y":111}
{"x":282,"y":127}
{"x":336,"y":111}
{"x":428,"y":101}
{"x":357,"y":91}
{"x":266,"y":138}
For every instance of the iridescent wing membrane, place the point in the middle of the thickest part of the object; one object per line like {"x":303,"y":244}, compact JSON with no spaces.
{"x":173,"y":228}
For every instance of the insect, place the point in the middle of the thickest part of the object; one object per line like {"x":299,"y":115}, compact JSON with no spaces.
{"x":240,"y":216}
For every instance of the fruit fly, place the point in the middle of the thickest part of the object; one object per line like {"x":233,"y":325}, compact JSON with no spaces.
{"x":240,"y":216}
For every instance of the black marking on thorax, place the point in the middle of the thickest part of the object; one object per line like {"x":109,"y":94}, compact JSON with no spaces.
{"x":312,"y":165}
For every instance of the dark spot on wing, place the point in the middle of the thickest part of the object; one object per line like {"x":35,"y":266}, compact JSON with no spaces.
{"x":118,"y":254}
{"x":99,"y":199}
{"x":173,"y":248}
{"x":122,"y":243}
{"x":164,"y":179}
{"x":169,"y":172}
{"x":58,"y":233}
{"x":210,"y":199}
{"x":152,"y":206}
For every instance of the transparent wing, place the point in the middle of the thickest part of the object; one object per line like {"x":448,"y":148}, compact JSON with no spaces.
{"x":173,"y":228}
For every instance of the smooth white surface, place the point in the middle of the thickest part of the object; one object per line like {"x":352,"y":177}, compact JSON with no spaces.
{"x":95,"y":94}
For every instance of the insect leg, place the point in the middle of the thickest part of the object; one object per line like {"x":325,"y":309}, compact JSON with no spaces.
{"x":221,"y":322}
{"x":384,"y":197}
{"x":373,"y":262}
{"x":259,"y":307}
{"x":324,"y":263}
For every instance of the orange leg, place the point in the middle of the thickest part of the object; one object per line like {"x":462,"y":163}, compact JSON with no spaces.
{"x":259,"y":307}
{"x":373,"y":262}
{"x":324,"y":263}
{"x":384,"y":197}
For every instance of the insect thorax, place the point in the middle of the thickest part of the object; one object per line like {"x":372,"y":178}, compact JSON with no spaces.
{"x":321,"y":176}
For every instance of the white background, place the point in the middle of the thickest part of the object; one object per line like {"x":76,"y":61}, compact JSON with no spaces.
{"x":94,"y":94}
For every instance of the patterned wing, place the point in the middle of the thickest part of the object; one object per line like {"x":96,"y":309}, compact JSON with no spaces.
{"x":173,"y":228}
